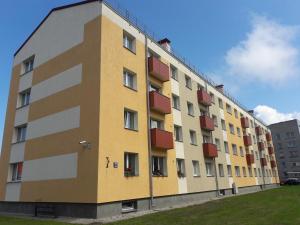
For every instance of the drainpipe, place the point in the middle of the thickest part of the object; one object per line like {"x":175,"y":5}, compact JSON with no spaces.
{"x":216,"y":178}
{"x":148,"y":126}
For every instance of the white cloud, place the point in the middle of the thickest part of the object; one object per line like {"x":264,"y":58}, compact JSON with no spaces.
{"x":270,"y":115}
{"x":267,"y":54}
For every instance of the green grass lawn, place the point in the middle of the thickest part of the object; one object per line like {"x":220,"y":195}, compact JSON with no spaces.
{"x":273,"y":207}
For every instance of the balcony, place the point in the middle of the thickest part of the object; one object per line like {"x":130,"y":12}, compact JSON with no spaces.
{"x":263,"y":162}
{"x":210,"y":150}
{"x":270,"y":150}
{"x":207,"y":123}
{"x":258,"y":130}
{"x":250,"y":159}
{"x":247,"y":140}
{"x":204,"y":98}
{"x":159,"y":102}
{"x":273,"y":163}
{"x":261,"y":146}
{"x":158,"y":69}
{"x":245,"y":122}
{"x":268,"y":136}
{"x":161,"y":139}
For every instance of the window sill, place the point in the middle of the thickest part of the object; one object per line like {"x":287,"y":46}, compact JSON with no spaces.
{"x":13,"y":181}
{"x":181,"y":141}
{"x":210,"y":176}
{"x":133,"y":89}
{"x":159,"y":176}
{"x":18,"y":142}
{"x":188,"y":87}
{"x":130,"y":50}
{"x":176,"y":108}
{"x":130,"y":129}
{"x":23,"y":106}
{"x":193,"y":144}
{"x":23,"y":74}
{"x":196,"y":176}
{"x":191,"y":115}
{"x":174,"y":79}
{"x":129,"y":176}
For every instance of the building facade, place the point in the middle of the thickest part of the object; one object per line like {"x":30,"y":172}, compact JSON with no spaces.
{"x":286,"y":138}
{"x":102,"y":119}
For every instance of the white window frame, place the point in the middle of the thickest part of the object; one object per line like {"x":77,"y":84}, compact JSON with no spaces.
{"x":130,"y":119}
{"x":196,"y":168}
{"x":129,"y":79}
{"x":129,"y":42}
{"x":131,"y":165}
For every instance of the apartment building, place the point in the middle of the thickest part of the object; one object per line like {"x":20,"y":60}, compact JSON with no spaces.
{"x":102,"y":120}
{"x":286,"y":136}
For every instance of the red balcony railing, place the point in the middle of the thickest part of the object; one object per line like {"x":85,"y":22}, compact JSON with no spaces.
{"x":270,"y":150}
{"x":250,"y":159}
{"x":204,"y":98}
{"x":261,"y":146}
{"x":263,"y":162}
{"x":245,"y":122}
{"x":161,"y":139}
{"x":247,"y":140}
{"x":207,"y":123}
{"x":159,"y":102}
{"x":273,"y":163}
{"x":210,"y":150}
{"x":258,"y":130}
{"x":268,"y":136}
{"x":158,"y":69}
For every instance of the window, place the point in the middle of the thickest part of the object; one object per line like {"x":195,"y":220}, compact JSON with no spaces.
{"x":226,"y":147}
{"x":236,"y":113}
{"x":190,"y":108}
{"x":231,"y":128}
{"x":188,"y":82}
{"x":129,"y":79}
{"x":193,"y":137}
{"x":255,"y":172}
{"x":130,"y":120}
{"x":223,"y":124}
{"x":241,"y":151}
{"x":250,"y":172}
{"x":180,"y":168}
{"x":256,"y":154}
{"x":234,"y":149}
{"x":178,"y":133}
{"x":156,"y":124}
{"x":229,"y":171}
{"x":174,"y":72}
{"x":215,"y":119}
{"x":159,"y":167}
{"x":221,"y":170}
{"x":24,"y":98}
{"x":278,"y":136}
{"x":244,"y":172}
{"x":212,"y":97}
{"x":209,"y":169}
{"x":259,"y":173}
{"x":175,"y":102}
{"x":228,"y":109}
{"x":238,"y":130}
{"x":196,"y":168}
{"x":129,"y":41}
{"x":254,"y":139}
{"x":220,"y":103}
{"x":207,"y":139}
{"x":28,"y":65}
{"x":16,"y":171}
{"x":129,"y":206}
{"x":237,"y":171}
{"x":251,"y":123}
{"x":130,"y":164}
{"x":218,"y":144}
{"x":21,"y":133}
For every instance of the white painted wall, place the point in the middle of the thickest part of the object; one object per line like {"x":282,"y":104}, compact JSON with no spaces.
{"x":51,"y":168}
{"x":25,"y":81}
{"x":17,"y":152}
{"x":57,"y":83}
{"x":54,"y":123}
{"x":12,"y":193}
{"x":21,"y":116}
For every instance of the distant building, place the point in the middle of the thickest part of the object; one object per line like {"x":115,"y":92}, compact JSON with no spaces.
{"x":286,"y":139}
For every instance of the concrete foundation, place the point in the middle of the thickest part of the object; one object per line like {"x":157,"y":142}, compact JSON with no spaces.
{"x":115,"y":208}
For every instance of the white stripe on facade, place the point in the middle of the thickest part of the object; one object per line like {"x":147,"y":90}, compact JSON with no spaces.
{"x":12,"y":193}
{"x":51,"y":168}
{"x":21,"y":116}
{"x":54,"y":123}
{"x":17,"y":152}
{"x":25,"y":81}
{"x":57,"y":83}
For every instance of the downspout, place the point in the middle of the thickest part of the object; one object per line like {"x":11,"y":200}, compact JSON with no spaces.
{"x":148,"y":126}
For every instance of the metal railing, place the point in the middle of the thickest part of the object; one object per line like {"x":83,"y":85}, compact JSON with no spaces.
{"x":134,"y":21}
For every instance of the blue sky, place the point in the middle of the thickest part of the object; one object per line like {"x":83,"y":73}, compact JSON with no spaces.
{"x":250,"y":46}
